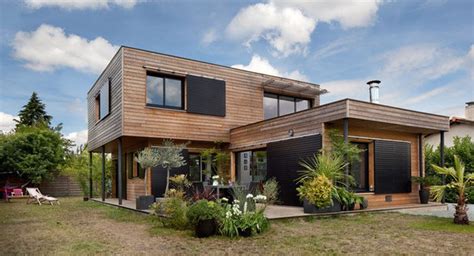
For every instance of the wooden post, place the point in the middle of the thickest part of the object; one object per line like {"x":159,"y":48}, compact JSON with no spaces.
{"x":346,"y":141}
{"x":119,"y":171}
{"x":90,"y":174}
{"x":441,"y":155}
{"x":103,"y":173}
{"x":232,"y":166}
{"x":420,"y":155}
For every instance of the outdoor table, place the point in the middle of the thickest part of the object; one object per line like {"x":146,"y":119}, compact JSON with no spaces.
{"x":219,"y":187}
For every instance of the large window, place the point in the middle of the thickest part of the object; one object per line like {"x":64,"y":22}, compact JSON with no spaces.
{"x":164,"y":91}
{"x":360,"y":169}
{"x":278,"y":105}
{"x":102,"y":101}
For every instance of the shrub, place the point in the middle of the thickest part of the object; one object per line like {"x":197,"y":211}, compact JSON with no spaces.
{"x":175,"y":210}
{"x":203,"y":210}
{"x":206,"y":194}
{"x":237,"y":217}
{"x":271,"y":190}
{"x":318,"y":191}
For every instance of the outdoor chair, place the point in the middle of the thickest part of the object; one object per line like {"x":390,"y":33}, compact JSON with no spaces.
{"x":36,"y":196}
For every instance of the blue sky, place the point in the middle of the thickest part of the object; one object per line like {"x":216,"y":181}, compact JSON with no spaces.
{"x":423,"y":51}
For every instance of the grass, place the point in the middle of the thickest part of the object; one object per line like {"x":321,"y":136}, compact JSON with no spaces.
{"x":78,"y":228}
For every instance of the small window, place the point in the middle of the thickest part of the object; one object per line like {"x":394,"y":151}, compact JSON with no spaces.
{"x":278,"y":105}
{"x":164,"y":91}
{"x":270,"y":105}
{"x":102,"y":101}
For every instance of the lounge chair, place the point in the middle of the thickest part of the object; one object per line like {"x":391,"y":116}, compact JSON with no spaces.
{"x":36,"y":196}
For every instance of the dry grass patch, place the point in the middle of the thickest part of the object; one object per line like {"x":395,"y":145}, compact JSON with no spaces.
{"x":77,"y":227}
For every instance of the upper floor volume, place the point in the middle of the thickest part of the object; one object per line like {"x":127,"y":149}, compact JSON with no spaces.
{"x":153,"y":95}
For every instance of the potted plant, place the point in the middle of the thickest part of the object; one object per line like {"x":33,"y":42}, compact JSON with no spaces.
{"x":362,"y":202}
{"x":147,"y":160}
{"x":203,"y":215}
{"x":425,"y":184}
{"x":330,"y":166}
{"x":168,"y":156}
{"x":246,"y":224}
{"x":316,"y":195}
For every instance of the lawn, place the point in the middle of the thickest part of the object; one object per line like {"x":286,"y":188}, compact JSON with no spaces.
{"x":77,"y":227}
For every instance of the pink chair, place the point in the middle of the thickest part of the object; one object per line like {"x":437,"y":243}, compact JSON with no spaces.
{"x":17,"y":192}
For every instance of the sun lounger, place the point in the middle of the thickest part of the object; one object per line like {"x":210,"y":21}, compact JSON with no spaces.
{"x":36,"y":196}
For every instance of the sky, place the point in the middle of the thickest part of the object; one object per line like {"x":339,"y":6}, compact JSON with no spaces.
{"x":422,"y":51}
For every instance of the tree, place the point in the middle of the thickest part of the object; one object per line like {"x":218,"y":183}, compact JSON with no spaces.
{"x":460,"y":181}
{"x":147,"y":159}
{"x":34,"y":152}
{"x":33,"y":113}
{"x":168,"y":156}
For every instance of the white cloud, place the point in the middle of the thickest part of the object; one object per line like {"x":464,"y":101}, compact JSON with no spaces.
{"x":49,"y":48}
{"x":209,"y":37}
{"x":288,"y":25}
{"x":6,"y":122}
{"x":79,"y":138}
{"x":80,"y":4}
{"x":470,"y":61}
{"x":426,"y":95}
{"x":262,"y":65}
{"x":341,"y":89}
{"x":420,"y":63}
{"x":348,"y":13}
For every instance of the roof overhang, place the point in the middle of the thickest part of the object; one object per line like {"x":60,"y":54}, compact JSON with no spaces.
{"x":293,"y":87}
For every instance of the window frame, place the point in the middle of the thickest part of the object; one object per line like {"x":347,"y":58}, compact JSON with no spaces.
{"x":98,"y":100}
{"x":310,"y":101}
{"x":164,"y":76}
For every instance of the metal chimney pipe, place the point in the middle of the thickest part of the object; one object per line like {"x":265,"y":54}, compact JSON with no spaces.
{"x":374,"y":90}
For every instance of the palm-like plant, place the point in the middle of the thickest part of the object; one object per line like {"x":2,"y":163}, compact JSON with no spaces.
{"x":460,"y":181}
{"x":325,"y":164}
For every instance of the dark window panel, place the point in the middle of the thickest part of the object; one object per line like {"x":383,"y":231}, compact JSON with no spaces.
{"x":302,"y":104}
{"x":286,"y":105}
{"x":173,"y":93}
{"x":154,"y":90}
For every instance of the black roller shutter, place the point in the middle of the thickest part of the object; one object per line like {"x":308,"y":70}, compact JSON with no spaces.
{"x":283,"y":163}
{"x":392,"y":167}
{"x":158,"y":176}
{"x":205,"y":96}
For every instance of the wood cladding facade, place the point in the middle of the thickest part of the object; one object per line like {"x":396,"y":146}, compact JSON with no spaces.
{"x":243,"y":100}
{"x":100,"y":132}
{"x":311,"y":122}
{"x":241,"y":125}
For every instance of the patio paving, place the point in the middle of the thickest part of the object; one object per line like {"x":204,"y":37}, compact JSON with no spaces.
{"x":443,"y":211}
{"x":274,"y":212}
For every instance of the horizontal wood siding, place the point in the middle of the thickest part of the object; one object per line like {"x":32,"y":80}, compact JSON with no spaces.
{"x":244,"y":100}
{"x":110,"y":127}
{"x":386,"y":114}
{"x":302,"y":123}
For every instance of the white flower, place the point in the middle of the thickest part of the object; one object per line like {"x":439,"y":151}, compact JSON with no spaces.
{"x":260,"y":198}
{"x":236,"y":201}
{"x":228,"y":214}
{"x":225,"y":199}
{"x":249,"y":196}
{"x":245,"y":207}
{"x":215,"y":177}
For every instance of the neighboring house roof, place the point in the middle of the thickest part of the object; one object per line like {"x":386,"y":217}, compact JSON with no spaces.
{"x":459,"y":120}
